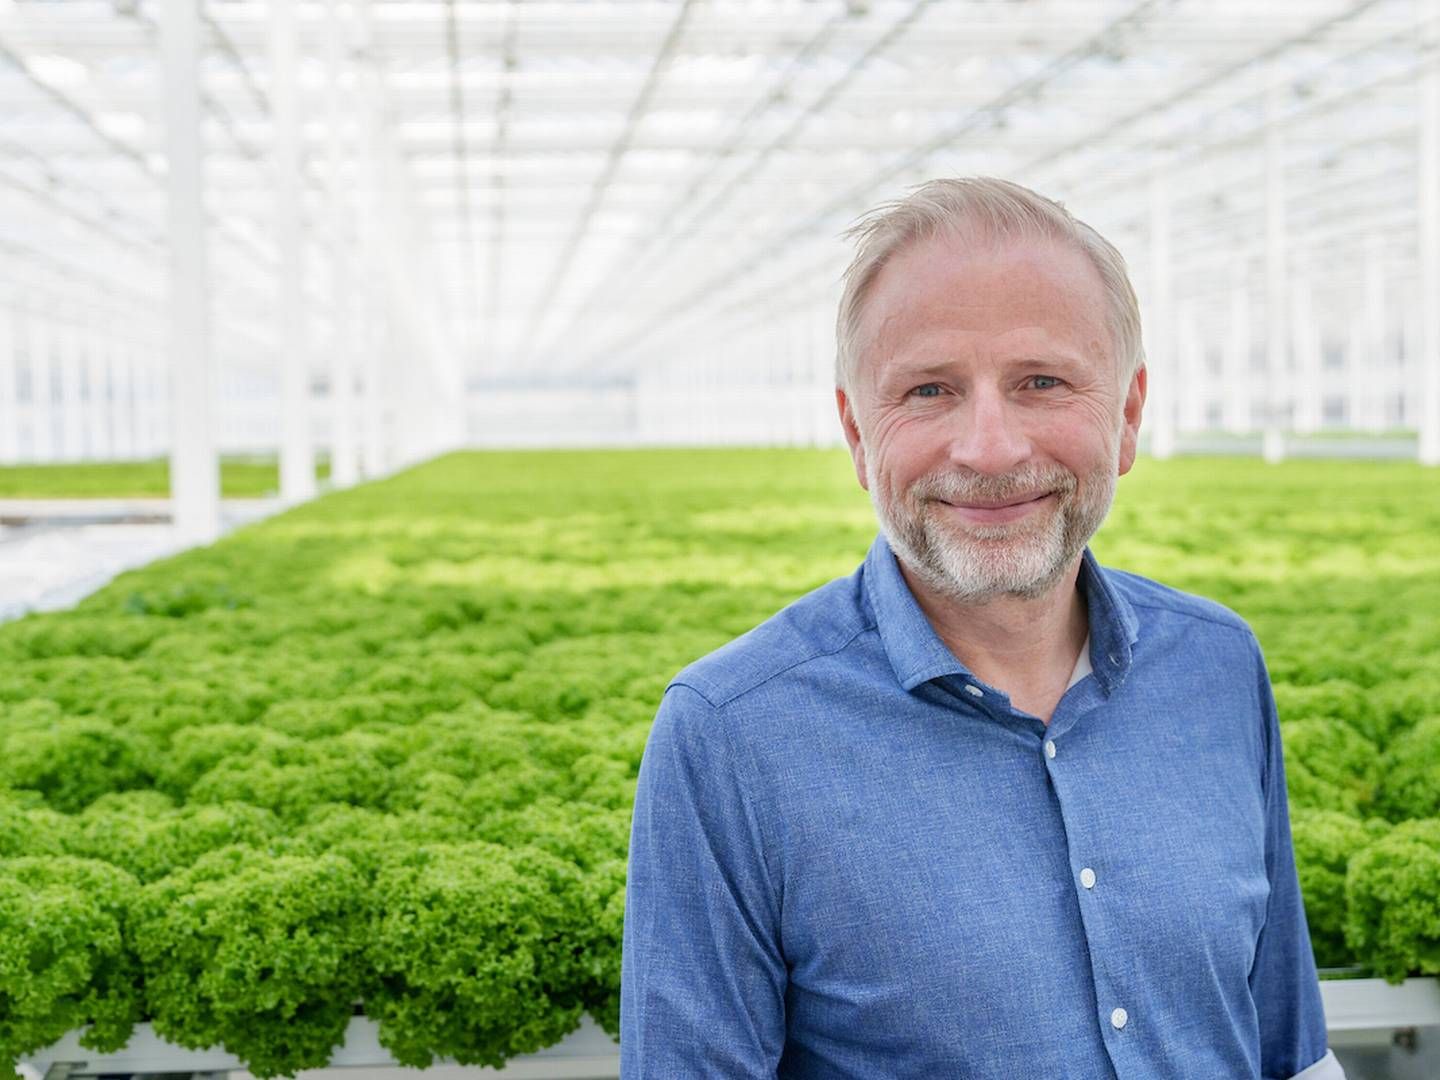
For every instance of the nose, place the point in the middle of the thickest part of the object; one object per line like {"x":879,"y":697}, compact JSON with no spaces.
{"x":990,"y":435}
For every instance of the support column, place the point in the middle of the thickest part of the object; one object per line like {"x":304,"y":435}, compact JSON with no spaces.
{"x":9,"y":389}
{"x":194,"y":467}
{"x":1370,"y":372}
{"x":109,"y":355}
{"x":1190,"y":352}
{"x":1238,"y":377}
{"x":376,"y":334}
{"x":1160,"y":357}
{"x":1277,"y":335}
{"x":297,"y":451}
{"x":344,"y":462}
{"x":42,"y":387}
{"x":125,"y":403}
{"x":72,"y":406}
{"x":1428,"y":239}
{"x":1306,"y":343}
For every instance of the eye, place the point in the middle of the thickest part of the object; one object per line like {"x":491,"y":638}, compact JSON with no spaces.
{"x":1044,"y":382}
{"x":927,"y":390}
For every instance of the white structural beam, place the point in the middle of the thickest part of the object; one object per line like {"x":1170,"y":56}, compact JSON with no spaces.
{"x":344,"y":462}
{"x":9,"y":389}
{"x":1370,"y":368}
{"x":297,"y":451}
{"x":1235,"y":359}
{"x":1305,"y":338}
{"x":194,"y":467}
{"x":1277,"y":307}
{"x":373,"y":334}
{"x":1428,"y":238}
{"x":1161,"y":361}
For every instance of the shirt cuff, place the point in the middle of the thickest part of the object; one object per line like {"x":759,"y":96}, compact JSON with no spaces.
{"x":1327,"y":1068}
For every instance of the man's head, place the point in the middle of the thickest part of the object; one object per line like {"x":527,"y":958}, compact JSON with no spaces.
{"x":990,"y":380}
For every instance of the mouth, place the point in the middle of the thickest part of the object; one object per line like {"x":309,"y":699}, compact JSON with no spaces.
{"x":980,"y":512}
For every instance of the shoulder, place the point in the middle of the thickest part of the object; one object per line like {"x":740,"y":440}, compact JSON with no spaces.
{"x":1153,"y":602}
{"x":817,"y":626}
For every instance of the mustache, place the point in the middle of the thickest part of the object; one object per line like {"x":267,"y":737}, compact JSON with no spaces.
{"x":972,"y":486}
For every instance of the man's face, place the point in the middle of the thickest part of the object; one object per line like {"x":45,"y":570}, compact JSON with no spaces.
{"x":986,"y":415}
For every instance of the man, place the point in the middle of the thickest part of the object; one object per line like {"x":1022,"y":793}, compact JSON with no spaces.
{"x":982,"y":809}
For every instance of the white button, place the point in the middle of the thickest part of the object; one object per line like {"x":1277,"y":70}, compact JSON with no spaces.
{"x":1118,"y":1018}
{"x":1050,"y":748}
{"x":1087,"y":878}
{"x":973,"y":690}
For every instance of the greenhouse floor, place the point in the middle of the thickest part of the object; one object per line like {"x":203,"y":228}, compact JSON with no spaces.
{"x":53,"y":552}
{"x":1410,"y":1055}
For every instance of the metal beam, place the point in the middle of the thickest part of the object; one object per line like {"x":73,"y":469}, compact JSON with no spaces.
{"x":194,"y":465}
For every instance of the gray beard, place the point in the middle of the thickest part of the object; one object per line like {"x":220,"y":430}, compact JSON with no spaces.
{"x":975,"y":564}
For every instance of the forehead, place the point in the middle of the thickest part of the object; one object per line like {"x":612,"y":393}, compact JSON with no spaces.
{"x":948,"y":287}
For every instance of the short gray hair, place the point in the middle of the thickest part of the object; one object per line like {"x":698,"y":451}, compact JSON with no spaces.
{"x":995,"y":210}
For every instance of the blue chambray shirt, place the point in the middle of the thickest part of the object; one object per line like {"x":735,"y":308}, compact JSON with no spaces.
{"x":850,"y":858}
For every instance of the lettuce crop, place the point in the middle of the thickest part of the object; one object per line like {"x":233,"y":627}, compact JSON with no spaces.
{"x":379,"y":752}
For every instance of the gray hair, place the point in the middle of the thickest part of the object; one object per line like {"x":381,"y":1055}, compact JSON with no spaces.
{"x":995,"y":210}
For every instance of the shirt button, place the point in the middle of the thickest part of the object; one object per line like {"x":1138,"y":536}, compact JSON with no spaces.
{"x":1087,"y":878}
{"x":1050,"y":748}
{"x":973,"y":690}
{"x":1119,"y":1018}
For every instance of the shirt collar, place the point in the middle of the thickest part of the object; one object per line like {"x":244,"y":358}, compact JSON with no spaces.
{"x":918,"y":655}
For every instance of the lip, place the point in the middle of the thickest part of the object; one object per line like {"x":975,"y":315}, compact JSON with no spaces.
{"x":991,"y":514}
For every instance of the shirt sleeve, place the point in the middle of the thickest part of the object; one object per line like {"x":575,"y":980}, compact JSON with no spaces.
{"x":702,"y":987}
{"x":1283,"y":983}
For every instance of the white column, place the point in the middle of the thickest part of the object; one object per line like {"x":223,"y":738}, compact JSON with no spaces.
{"x":374,"y":456}
{"x":1161,"y":362}
{"x":1306,"y":341}
{"x":9,"y":389}
{"x":124,"y":404}
{"x":297,"y":451}
{"x":374,"y":321}
{"x":1238,"y":378}
{"x":1428,"y":238}
{"x":825,"y":422}
{"x":107,"y":389}
{"x":73,"y":406}
{"x":1369,"y":368}
{"x":194,"y":468}
{"x":1190,"y":388}
{"x":42,"y":387}
{"x":1277,"y":335}
{"x":344,"y":462}
{"x":1411,"y":331}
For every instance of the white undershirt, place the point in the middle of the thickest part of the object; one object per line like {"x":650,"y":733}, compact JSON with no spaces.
{"x":1082,"y":664}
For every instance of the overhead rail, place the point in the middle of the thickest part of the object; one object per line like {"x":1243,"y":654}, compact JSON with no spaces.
{"x":568,"y":251}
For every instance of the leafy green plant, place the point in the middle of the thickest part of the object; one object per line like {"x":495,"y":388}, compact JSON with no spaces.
{"x":64,"y":960}
{"x":380,"y":751}
{"x":1392,"y":890}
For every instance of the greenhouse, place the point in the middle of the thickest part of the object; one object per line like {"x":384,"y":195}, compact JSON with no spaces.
{"x":396,"y":395}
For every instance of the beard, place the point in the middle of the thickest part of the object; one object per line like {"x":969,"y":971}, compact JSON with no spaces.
{"x":975,"y":563}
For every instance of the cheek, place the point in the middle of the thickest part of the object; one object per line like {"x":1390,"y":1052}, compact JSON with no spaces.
{"x":900,"y":449}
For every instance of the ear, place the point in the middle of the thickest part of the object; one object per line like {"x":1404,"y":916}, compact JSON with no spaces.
{"x":852,"y":434}
{"x":1130,"y":428}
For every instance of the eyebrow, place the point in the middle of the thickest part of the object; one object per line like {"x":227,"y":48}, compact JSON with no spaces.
{"x":941,"y":367}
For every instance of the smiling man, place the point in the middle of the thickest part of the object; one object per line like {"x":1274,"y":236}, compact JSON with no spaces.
{"x":983,"y":808}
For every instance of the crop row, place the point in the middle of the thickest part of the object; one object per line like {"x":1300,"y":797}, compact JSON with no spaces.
{"x":380,"y":751}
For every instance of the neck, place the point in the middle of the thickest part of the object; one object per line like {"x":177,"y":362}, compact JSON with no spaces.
{"x":1010,"y":641}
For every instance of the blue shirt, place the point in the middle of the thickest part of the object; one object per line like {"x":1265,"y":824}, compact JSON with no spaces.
{"x":852,"y":858}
